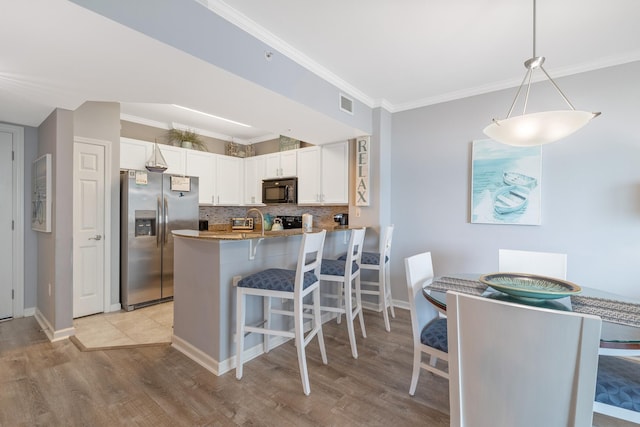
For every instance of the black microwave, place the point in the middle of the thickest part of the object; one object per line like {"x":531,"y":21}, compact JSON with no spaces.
{"x":276,"y":191}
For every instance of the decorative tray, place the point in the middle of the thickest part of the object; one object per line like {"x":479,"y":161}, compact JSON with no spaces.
{"x":530,"y":286}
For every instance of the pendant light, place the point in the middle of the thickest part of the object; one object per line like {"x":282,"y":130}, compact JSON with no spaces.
{"x":537,"y":128}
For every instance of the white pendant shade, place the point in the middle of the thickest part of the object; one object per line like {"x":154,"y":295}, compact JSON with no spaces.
{"x":538,"y":128}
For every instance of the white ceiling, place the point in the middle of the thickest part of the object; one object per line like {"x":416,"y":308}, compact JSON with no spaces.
{"x":398,"y":55}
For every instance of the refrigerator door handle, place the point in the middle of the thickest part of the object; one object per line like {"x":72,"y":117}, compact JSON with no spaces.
{"x":158,"y":223}
{"x":166,"y":219}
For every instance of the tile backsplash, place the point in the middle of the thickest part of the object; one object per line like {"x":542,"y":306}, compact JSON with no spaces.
{"x":322,"y":215}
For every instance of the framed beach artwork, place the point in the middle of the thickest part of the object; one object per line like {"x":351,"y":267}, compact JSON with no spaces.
{"x":505,"y":183}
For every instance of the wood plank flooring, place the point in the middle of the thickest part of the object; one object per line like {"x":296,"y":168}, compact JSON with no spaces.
{"x":55,"y":384}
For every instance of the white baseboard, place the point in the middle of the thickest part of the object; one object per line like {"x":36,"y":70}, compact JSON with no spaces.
{"x":29,"y":311}
{"x":115,"y":307}
{"x":52,"y":334}
{"x":214,"y":366}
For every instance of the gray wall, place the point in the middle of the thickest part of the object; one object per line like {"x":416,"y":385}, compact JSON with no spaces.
{"x":30,"y":236}
{"x":101,"y":121}
{"x":55,"y":136}
{"x":590,"y":185}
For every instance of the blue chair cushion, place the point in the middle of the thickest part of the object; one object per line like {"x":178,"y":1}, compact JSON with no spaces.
{"x":276,"y":279}
{"x":618,"y":383}
{"x":335,"y":267}
{"x":434,"y":334}
{"x":371,"y":258}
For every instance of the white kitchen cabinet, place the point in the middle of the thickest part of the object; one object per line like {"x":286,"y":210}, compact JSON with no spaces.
{"x":134,"y":153}
{"x":229,"y":180}
{"x":323,"y":175}
{"x":254,"y":172}
{"x":220,"y":177}
{"x":309,"y":165}
{"x":203,"y":165}
{"x":281,"y":164}
{"x":335,"y":173}
{"x":175,"y":157}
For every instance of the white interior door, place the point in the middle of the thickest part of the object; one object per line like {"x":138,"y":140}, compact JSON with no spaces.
{"x":6,"y":219}
{"x":88,"y":229}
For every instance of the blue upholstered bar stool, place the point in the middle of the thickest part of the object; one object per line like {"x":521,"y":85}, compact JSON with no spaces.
{"x":379,"y":262}
{"x":287,"y":284}
{"x":346,"y":274}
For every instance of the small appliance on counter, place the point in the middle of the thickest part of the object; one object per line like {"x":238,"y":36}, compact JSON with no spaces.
{"x":342,"y":219}
{"x":277,"y":225}
{"x":242,"y":223}
{"x":307,"y":222}
{"x":290,"y":221}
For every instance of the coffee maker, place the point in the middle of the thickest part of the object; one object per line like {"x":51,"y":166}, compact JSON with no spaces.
{"x":342,"y":218}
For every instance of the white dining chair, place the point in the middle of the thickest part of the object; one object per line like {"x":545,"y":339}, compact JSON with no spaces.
{"x":290,"y":285}
{"x":618,"y":388}
{"x":541,"y":263}
{"x":517,"y":365}
{"x":428,"y":328}
{"x":345,"y":275}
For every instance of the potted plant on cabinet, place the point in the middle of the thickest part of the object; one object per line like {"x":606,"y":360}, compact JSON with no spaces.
{"x":186,"y":139}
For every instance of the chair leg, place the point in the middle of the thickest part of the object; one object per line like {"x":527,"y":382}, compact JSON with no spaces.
{"x":359,"y":303}
{"x":299,"y":339}
{"x":240,"y":305}
{"x":348,"y":306}
{"x":317,"y":320}
{"x":382,"y":292}
{"x":387,"y":289}
{"x":340,"y":303}
{"x":266,"y":304}
{"x":417,"y":359}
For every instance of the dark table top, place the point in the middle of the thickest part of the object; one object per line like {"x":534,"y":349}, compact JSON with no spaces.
{"x":616,"y":338}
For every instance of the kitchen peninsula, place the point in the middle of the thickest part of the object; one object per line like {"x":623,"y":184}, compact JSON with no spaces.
{"x":206,"y":266}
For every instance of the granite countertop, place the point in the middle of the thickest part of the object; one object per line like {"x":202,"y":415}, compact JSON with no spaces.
{"x":248,"y":235}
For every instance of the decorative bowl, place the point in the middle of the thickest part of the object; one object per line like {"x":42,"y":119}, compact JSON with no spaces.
{"x":530,"y":286}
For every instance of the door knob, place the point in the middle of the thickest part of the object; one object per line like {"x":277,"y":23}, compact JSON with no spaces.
{"x":97,"y":237}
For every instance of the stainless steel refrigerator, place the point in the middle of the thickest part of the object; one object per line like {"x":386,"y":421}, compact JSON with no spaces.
{"x":152,"y":204}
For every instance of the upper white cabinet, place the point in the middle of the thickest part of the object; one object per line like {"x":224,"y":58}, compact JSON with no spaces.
{"x":134,"y":153}
{"x":175,"y":157}
{"x":229,"y":180}
{"x":254,"y":172}
{"x":309,"y":164}
{"x":282,"y":163}
{"x":322,"y":171}
{"x":335,"y":173}
{"x":323,"y":174}
{"x":203,"y":165}
{"x":220,"y":177}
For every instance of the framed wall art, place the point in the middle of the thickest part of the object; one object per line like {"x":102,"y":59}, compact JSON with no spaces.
{"x":41,"y":194}
{"x":505,"y":183}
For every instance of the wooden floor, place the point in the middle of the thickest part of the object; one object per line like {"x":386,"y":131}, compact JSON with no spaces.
{"x":55,"y":384}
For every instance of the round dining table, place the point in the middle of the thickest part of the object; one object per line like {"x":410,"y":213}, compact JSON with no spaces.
{"x":616,"y":338}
